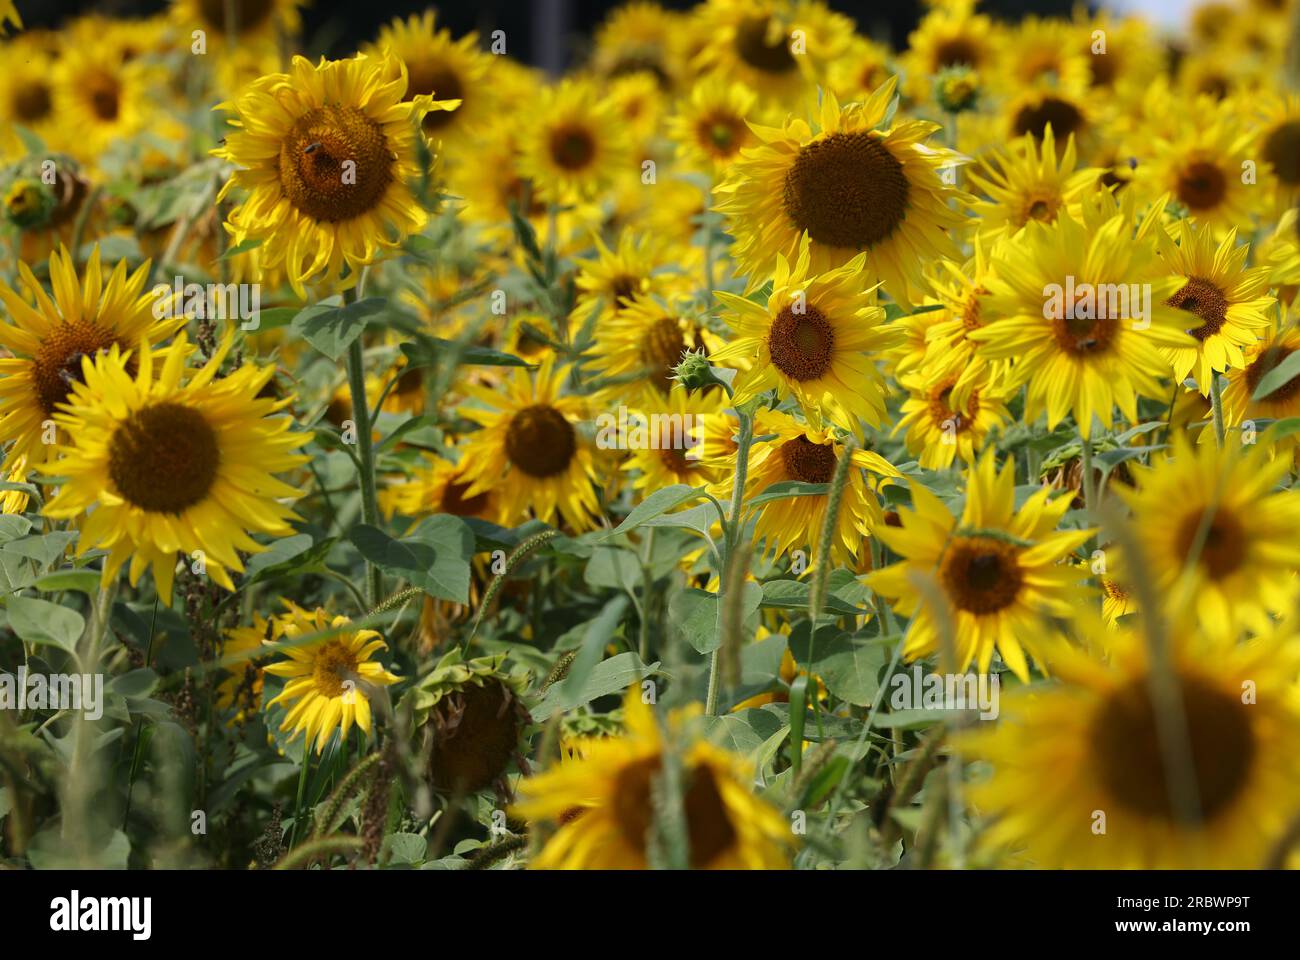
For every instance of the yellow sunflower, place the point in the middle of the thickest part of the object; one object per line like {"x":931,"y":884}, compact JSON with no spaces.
{"x":256,"y":22}
{"x":1080,"y":779}
{"x":949,"y":35}
{"x":27,"y":96}
{"x":862,"y":68}
{"x":940,"y":429}
{"x":573,"y":145}
{"x":815,"y":340}
{"x":9,"y":14}
{"x":999,"y":569}
{"x":529,"y":452}
{"x":1082,"y":310}
{"x":779,"y":49}
{"x":163,"y":463}
{"x":48,"y":341}
{"x":640,"y":38}
{"x":1201,"y":165}
{"x":241,"y":691}
{"x":101,"y":97}
{"x":1230,"y":301}
{"x":1216,"y":537}
{"x":803,"y":453}
{"x":639,"y":266}
{"x":603,"y":802}
{"x":1029,"y":182}
{"x":858,"y":184}
{"x":710,"y":127}
{"x":636,"y":348}
{"x":327,"y":681}
{"x":448,"y":69}
{"x":1280,"y":148}
{"x":438,"y":486}
{"x":1261,"y":357}
{"x":325,"y":153}
{"x":677,"y":428}
{"x":1039,"y":50}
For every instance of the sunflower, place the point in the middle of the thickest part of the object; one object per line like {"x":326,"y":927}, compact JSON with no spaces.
{"x":779,"y":49}
{"x":1280,"y":148}
{"x":325,"y":153}
{"x":1038,"y":50}
{"x":1216,"y":537}
{"x":529,"y":452}
{"x":437,"y":65}
{"x":257,"y":22}
{"x":15,"y":500}
{"x":946,"y":354}
{"x":1068,"y":111}
{"x":9,"y":14}
{"x":1260,"y":358}
{"x":1100,"y":349}
{"x":856,"y":185}
{"x":1066,"y":755}
{"x":603,"y":802}
{"x":574,"y":146}
{"x":863,"y":67}
{"x":27,"y":96}
{"x":101,"y":97}
{"x":999,"y":569}
{"x":710,"y":127}
{"x":636,"y":348}
{"x":676,"y":448}
{"x":949,"y":35}
{"x":803,"y":453}
{"x":1124,"y":58}
{"x":241,"y":691}
{"x":640,"y":38}
{"x":1029,"y":182}
{"x":813,"y":340}
{"x":609,"y":283}
{"x":939,"y":428}
{"x":438,"y":486}
{"x":1230,"y":301}
{"x":163,"y":462}
{"x":1202,"y":164}
{"x":471,"y":718}
{"x":329,"y":681}
{"x":1280,"y":252}
{"x":48,"y":342}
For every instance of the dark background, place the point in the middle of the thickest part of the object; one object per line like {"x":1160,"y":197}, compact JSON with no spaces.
{"x":552,"y":33}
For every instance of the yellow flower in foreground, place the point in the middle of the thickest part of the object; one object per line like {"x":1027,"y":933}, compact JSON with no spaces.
{"x":999,"y":570}
{"x":165,"y":462}
{"x":327,"y":679}
{"x":603,"y":801}
{"x":9,"y":14}
{"x":326,"y":153}
{"x":1064,"y":752}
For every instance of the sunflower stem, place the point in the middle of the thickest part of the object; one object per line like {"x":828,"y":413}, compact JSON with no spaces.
{"x":302,"y":791}
{"x":1216,"y":408}
{"x":647,"y":590}
{"x":731,"y":530}
{"x":366,"y":459}
{"x":1085,"y":444}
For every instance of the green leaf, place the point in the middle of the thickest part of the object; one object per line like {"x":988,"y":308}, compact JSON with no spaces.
{"x":434,"y":556}
{"x":86,"y":581}
{"x":850,"y":667}
{"x":280,"y":551}
{"x":406,"y":848}
{"x":613,"y":567}
{"x":598,"y":633}
{"x":135,"y":684}
{"x":1278,"y":377}
{"x":698,"y":615}
{"x":429,"y":350}
{"x":44,"y":549}
{"x":659,"y":502}
{"x":13,"y":526}
{"x":43,"y":623}
{"x":793,"y":595}
{"x":788,"y":488}
{"x":608,"y":676}
{"x":331,"y":328}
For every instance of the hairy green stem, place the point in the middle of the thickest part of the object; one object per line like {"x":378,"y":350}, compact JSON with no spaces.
{"x":366,"y":462}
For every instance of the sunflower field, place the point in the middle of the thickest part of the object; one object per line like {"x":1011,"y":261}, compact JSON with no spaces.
{"x":758,"y":446}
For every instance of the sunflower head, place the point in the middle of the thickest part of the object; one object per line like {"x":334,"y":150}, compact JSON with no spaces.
{"x":470,"y":717}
